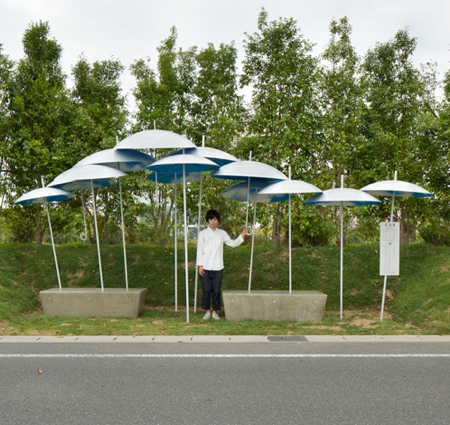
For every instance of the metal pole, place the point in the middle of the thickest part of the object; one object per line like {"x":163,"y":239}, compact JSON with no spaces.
{"x":341,"y":296}
{"x":96,"y":237}
{"x":383,"y":298}
{"x":290,"y":240}
{"x":290,"y":248}
{"x":198,"y":231}
{"x":186,"y":271}
{"x":53,"y":244}
{"x":175,"y":244}
{"x":123,"y":236}
{"x":253,"y":244}
{"x":341,"y":300}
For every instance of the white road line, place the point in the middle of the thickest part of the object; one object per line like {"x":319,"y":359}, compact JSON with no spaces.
{"x":221,"y":356}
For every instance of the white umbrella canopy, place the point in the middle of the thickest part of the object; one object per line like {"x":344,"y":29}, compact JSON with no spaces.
{"x":395,"y":189}
{"x":126,"y":160}
{"x":342,"y":197}
{"x":155,"y":139}
{"x":85,"y":176}
{"x":244,"y":170}
{"x":287,"y":188}
{"x":184,"y":164}
{"x":45,"y":195}
{"x":216,"y":155}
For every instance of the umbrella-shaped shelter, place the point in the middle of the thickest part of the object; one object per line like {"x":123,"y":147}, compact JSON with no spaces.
{"x":289,"y":187}
{"x":253,"y":175}
{"x":342,"y":197}
{"x":45,"y":195}
{"x":220,"y":158}
{"x":175,"y":178}
{"x":126,"y":160}
{"x":395,"y":189}
{"x":85,"y":177}
{"x":249,"y":172}
{"x":242,"y":192}
{"x":184,"y":164}
{"x":155,"y":139}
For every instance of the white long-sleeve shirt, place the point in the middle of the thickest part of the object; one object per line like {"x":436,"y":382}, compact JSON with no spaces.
{"x":210,"y":247}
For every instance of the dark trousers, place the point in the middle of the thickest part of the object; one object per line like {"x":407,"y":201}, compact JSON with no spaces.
{"x":211,"y":285}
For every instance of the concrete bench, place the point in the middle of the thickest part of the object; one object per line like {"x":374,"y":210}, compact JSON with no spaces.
{"x":274,"y":305}
{"x":93,"y":302}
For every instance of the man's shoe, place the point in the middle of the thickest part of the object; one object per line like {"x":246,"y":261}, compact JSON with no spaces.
{"x":207,"y":315}
{"x":215,"y":316}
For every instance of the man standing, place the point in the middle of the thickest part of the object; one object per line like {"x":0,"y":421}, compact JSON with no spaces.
{"x":210,"y":261}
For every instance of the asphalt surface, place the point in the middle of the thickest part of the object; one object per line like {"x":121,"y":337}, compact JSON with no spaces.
{"x":225,"y":380}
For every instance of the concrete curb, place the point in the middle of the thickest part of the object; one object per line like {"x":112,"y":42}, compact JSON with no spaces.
{"x":223,"y":339}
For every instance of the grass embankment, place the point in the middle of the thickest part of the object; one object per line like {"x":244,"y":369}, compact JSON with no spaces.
{"x":417,"y":302}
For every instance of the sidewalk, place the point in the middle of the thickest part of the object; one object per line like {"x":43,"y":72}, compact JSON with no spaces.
{"x":223,"y":338}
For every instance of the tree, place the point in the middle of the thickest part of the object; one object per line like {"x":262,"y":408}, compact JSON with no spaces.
{"x":164,"y":100}
{"x":35,"y":100}
{"x":285,"y":127}
{"x":394,"y":104}
{"x":218,"y":118}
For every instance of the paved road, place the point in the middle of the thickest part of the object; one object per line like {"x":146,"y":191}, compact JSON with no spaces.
{"x":224,"y":380}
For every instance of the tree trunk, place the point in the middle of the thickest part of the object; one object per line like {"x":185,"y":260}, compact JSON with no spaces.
{"x":38,"y":236}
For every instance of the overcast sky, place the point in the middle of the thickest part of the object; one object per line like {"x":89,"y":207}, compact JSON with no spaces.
{"x":132,"y":29}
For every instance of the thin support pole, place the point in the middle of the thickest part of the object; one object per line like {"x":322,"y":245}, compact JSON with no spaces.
{"x":96,"y":237}
{"x":198,"y":232}
{"x":290,"y":248}
{"x":186,"y":271}
{"x":251,"y":251}
{"x":341,"y":286}
{"x":123,"y":236}
{"x":383,"y":298}
{"x":175,"y":244}
{"x":53,"y":245}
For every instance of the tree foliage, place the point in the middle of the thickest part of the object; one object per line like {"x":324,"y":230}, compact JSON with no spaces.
{"x":315,"y":116}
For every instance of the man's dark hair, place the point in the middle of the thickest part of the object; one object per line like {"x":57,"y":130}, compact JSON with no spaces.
{"x":212,"y":214}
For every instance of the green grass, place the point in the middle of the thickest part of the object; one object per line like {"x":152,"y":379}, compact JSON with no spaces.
{"x":417,"y":302}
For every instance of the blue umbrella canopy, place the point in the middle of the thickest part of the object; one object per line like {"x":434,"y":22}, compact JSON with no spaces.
{"x":126,"y":160}
{"x":155,"y":139}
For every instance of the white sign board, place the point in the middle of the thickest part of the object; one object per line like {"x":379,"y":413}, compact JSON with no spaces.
{"x":389,"y":249}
